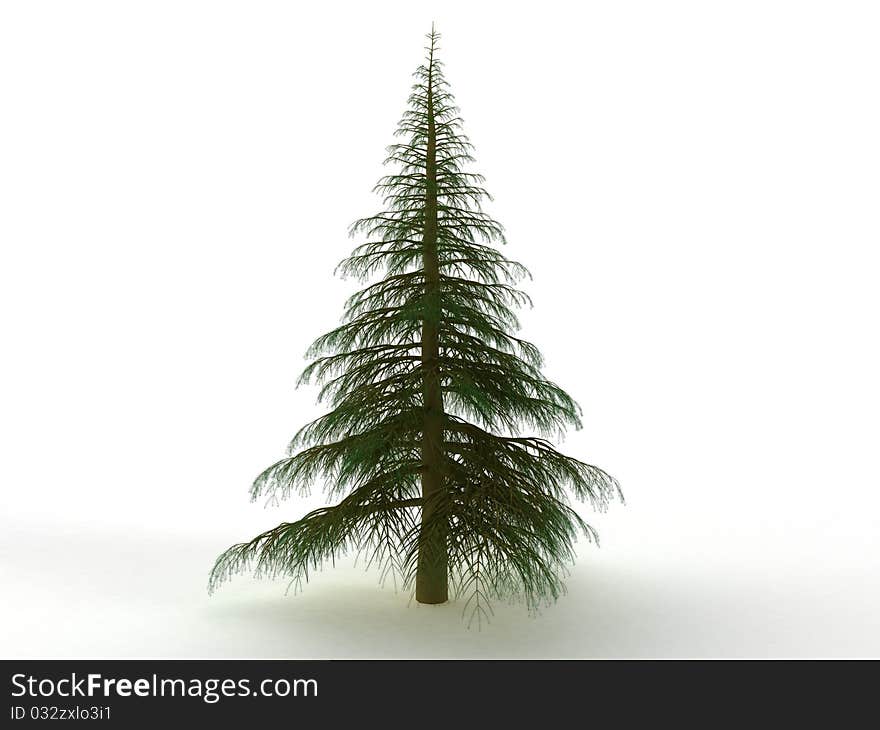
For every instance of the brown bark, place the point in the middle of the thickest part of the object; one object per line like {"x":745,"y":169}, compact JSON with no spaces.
{"x":432,"y":569}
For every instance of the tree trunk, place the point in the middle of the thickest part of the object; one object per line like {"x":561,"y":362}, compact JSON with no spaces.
{"x":431,"y":573}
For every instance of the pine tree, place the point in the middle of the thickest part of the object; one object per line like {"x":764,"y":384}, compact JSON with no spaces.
{"x":429,"y":388}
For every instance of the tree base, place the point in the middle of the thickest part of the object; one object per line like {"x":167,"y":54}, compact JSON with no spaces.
{"x":432,"y":600}
{"x":432,"y":584}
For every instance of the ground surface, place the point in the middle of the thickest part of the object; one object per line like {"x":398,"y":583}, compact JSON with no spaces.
{"x":126,"y":594}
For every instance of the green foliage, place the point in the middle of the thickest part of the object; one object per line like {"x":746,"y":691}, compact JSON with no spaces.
{"x":508,"y":527}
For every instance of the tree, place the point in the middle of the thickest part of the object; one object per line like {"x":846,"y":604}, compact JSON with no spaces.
{"x":429,"y":387}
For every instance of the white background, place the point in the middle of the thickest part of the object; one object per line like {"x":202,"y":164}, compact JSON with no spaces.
{"x":694,"y":186}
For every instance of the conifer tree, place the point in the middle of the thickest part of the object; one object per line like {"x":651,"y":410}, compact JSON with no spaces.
{"x":429,"y":388}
